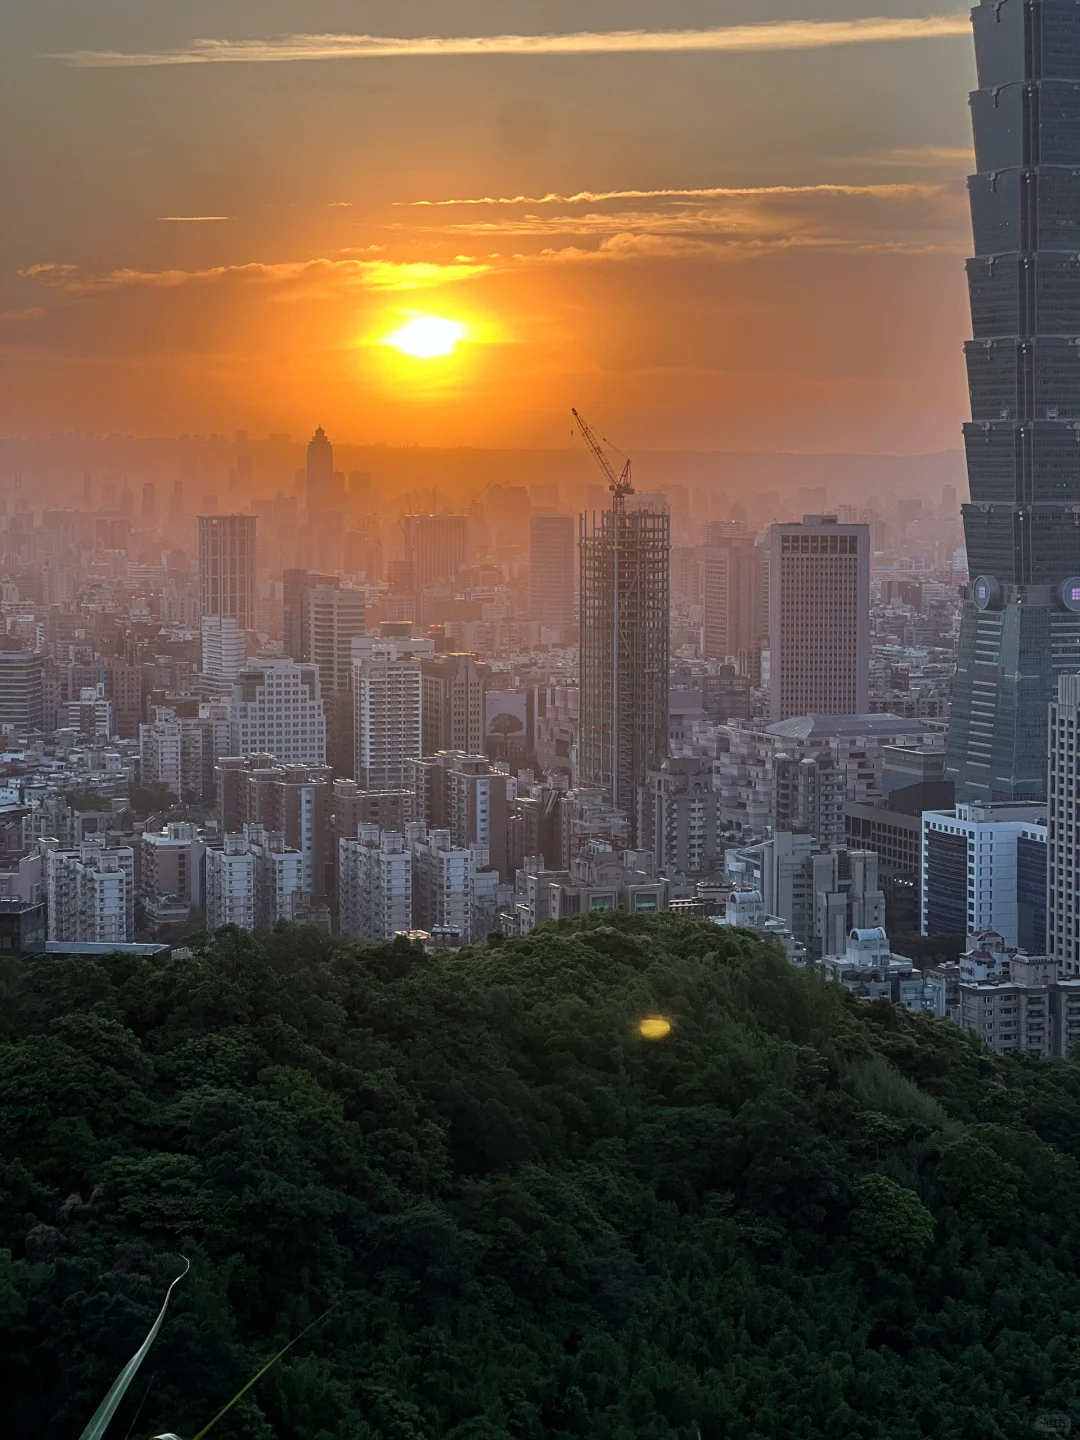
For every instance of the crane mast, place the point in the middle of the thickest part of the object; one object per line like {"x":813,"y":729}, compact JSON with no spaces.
{"x":620,"y":485}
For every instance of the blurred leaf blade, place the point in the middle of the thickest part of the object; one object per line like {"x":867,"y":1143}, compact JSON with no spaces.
{"x":99,"y":1422}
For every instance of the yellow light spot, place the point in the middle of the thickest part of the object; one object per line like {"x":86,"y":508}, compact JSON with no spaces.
{"x":654,"y":1027}
{"x":426,"y":337}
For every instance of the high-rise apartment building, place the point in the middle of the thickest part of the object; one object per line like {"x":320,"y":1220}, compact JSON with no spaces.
{"x":22,"y":687}
{"x":227,"y":567}
{"x":625,"y":641}
{"x":1021,"y":619}
{"x":437,"y":548}
{"x":444,"y":881}
{"x":733,"y":585}
{"x":91,"y":894}
{"x":277,"y":709}
{"x":171,"y":873}
{"x":551,"y":571}
{"x":454,"y":690}
{"x":387,"y":697}
{"x":375,"y":884}
{"x":819,"y":618}
{"x":334,"y":619}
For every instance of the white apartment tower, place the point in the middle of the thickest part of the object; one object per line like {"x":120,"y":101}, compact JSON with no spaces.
{"x":819,"y":618}
{"x":277,"y":709}
{"x":91,"y":894}
{"x":444,"y":882}
{"x":375,"y":884}
{"x":230,"y":885}
{"x":388,"y":706}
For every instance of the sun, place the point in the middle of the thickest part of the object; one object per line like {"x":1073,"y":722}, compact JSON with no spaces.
{"x":427,"y":337}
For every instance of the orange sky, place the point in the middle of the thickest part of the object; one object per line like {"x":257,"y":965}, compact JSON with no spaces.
{"x":708,"y":250}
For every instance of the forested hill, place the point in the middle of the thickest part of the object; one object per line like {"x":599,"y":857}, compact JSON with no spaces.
{"x":796,"y":1216}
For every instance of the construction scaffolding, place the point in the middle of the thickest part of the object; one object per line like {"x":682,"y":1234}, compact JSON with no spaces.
{"x":625,"y":628}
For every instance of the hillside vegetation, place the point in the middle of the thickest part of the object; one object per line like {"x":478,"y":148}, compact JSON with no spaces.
{"x":796,"y":1216}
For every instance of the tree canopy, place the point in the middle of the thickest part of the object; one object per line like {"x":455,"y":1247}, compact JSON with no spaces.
{"x":795,"y":1215}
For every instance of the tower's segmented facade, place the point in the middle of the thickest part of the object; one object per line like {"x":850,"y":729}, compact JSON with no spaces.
{"x":1021,"y":621}
{"x":625,"y":630}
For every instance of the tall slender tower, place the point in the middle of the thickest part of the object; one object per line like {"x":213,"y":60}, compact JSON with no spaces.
{"x":1021,"y":621}
{"x":625,"y":629}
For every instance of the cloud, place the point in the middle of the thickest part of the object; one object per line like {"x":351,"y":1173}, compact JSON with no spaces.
{"x":596,"y":197}
{"x":360,"y":274}
{"x":782,"y":35}
{"x":838,"y":216}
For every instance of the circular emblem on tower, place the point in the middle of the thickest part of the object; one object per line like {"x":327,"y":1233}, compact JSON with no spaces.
{"x":986,"y":592}
{"x":1070,"y":594}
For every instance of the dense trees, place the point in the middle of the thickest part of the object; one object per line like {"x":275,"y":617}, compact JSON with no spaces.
{"x":797,"y":1216}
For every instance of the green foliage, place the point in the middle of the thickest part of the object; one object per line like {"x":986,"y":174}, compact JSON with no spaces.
{"x":147,"y":800}
{"x":797,"y":1216}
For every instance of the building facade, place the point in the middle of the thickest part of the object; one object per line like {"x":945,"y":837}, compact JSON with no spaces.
{"x":551,"y":572}
{"x":969,"y":868}
{"x":1021,"y":618}
{"x":388,"y":715}
{"x":819,"y":618}
{"x":624,"y":650}
{"x":277,"y":709}
{"x":228,"y":566}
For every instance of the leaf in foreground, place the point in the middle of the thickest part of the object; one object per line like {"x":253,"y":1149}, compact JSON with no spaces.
{"x":105,"y":1411}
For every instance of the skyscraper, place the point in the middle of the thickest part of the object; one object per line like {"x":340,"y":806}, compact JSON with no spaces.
{"x":625,"y":630}
{"x":227,"y":567}
{"x":551,"y":571}
{"x":1021,"y":620}
{"x":437,"y":547}
{"x":387,"y":695}
{"x":733,"y":618}
{"x":819,"y":618}
{"x":1063,"y":858}
{"x":320,"y":472}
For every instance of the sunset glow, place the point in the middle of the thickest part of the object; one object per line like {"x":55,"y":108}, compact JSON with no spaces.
{"x":426,"y":337}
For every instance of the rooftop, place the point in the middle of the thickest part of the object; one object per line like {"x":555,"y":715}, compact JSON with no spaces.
{"x":827,"y":727}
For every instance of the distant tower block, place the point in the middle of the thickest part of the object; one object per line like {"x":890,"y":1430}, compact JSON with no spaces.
{"x":227,"y":567}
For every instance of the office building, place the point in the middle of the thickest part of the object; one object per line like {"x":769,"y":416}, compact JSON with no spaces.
{"x":436,"y":548}
{"x":1021,"y":620}
{"x":22,"y":687}
{"x":808,"y":795}
{"x":913,"y":781}
{"x":454,"y":692}
{"x":387,"y":697}
{"x":375,"y":884}
{"x":819,"y":613}
{"x":969,"y":868}
{"x":277,"y":709}
{"x":322,"y":493}
{"x":228,"y":567}
{"x":624,"y":649}
{"x":551,"y":572}
{"x":90,"y":893}
{"x":733,"y":590}
{"x":1063,"y":823}
{"x":334,"y":617}
{"x":352,"y":807}
{"x":866,"y":966}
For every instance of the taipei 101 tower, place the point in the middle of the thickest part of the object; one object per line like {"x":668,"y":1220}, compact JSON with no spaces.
{"x":1021,"y":621}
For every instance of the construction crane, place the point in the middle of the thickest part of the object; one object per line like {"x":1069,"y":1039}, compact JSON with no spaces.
{"x":620,"y":485}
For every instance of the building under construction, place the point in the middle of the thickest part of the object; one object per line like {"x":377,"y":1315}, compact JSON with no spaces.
{"x":625,"y":626}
